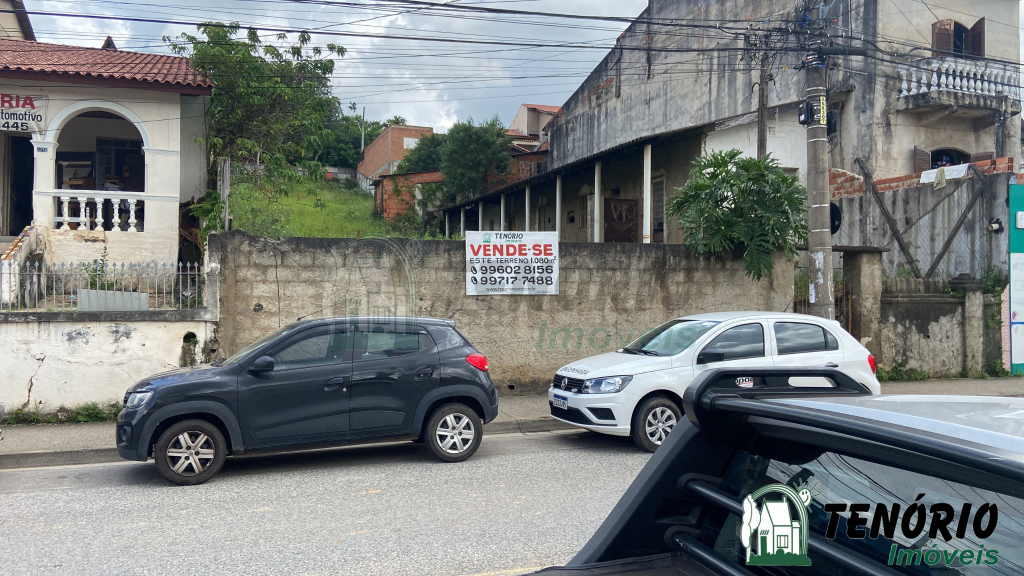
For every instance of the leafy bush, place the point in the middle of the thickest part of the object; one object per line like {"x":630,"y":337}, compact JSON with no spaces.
{"x":744,"y":206}
{"x":900,"y":374}
{"x":88,"y":412}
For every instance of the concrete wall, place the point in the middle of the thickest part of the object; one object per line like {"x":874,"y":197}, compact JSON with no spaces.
{"x":609,"y":294}
{"x":925,"y":216}
{"x":925,"y":328}
{"x":52,"y":364}
{"x":193,"y":158}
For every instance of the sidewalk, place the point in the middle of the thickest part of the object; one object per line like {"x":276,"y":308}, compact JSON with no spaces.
{"x":25,"y":446}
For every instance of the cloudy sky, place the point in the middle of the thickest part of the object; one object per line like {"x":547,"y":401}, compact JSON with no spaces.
{"x":430,"y":83}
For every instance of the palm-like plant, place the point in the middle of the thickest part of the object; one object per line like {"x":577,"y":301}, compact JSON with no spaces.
{"x":733,"y":204}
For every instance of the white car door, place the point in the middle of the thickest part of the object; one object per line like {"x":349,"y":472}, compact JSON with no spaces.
{"x":806,"y":344}
{"x":743,"y":345}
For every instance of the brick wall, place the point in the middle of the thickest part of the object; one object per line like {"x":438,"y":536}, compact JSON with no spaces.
{"x":388,"y":147}
{"x":398,"y":192}
{"x":843,"y":184}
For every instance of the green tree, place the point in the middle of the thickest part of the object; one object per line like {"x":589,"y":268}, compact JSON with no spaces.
{"x":741,"y":205}
{"x":470,"y":155}
{"x":426,"y":156}
{"x":269,"y":107}
{"x":343,"y":150}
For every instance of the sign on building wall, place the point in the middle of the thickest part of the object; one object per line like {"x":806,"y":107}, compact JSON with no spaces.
{"x":511,"y":263}
{"x":1016,"y":311}
{"x":21,"y":113}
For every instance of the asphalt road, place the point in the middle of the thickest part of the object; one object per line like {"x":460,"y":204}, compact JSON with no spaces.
{"x":521,"y":503}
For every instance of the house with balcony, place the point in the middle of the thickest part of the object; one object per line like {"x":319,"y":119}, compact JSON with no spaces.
{"x":940,"y":85}
{"x":98,"y":150}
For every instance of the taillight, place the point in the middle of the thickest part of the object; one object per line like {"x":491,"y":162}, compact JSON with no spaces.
{"x":478,"y":361}
{"x":871,"y":362}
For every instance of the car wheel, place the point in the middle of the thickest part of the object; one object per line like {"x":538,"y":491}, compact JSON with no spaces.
{"x":652,"y":422}
{"x":453,"y":432}
{"x":190,"y":452}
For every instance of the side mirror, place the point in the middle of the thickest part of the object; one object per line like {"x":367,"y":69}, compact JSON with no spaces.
{"x":710,"y":356}
{"x":262,"y":365}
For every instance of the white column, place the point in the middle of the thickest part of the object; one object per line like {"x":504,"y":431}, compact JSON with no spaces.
{"x":462,"y":221}
{"x":44,"y":177}
{"x":647,"y":194}
{"x":447,"y":230}
{"x":480,"y":221}
{"x":527,"y":207}
{"x":502,"y":228}
{"x":598,"y":205}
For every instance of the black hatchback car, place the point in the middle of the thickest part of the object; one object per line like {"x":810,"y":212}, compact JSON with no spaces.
{"x":322,"y":382}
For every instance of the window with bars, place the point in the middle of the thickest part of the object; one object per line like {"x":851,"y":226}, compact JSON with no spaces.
{"x":658,"y":206}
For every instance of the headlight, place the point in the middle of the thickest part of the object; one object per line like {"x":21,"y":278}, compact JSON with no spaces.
{"x":137,"y":399}
{"x":605,"y":385}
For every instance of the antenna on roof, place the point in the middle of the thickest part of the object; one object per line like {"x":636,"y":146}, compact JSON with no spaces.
{"x":108,"y":44}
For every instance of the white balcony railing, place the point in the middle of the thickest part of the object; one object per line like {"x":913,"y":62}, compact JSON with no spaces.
{"x":89,"y":210}
{"x":948,"y":74}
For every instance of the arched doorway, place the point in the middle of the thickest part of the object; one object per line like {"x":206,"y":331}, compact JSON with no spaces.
{"x":98,"y":150}
{"x":949,"y":157}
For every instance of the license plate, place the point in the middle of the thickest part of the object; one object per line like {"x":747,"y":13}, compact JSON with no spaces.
{"x":560,"y":402}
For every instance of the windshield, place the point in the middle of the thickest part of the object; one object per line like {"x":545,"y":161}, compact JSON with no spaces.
{"x":248,"y":349}
{"x":670,"y":338}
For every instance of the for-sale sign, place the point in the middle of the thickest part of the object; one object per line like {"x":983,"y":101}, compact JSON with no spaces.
{"x":511,"y":263}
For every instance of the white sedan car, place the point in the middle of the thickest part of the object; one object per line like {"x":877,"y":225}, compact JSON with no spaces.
{"x":637,"y":390}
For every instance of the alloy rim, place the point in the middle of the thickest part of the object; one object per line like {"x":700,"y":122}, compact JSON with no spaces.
{"x":660,"y":422}
{"x":455,"y":433}
{"x":190,"y":453}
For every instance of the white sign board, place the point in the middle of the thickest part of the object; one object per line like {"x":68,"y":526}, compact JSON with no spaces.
{"x":22,"y":113}
{"x":1016,"y":308}
{"x":511,"y":263}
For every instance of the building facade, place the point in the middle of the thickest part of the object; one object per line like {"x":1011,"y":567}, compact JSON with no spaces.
{"x":939,"y":83}
{"x":99,"y":149}
{"x":382,"y":156}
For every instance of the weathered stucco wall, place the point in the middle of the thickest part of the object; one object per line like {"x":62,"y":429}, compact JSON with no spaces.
{"x":609,"y":294}
{"x":923,"y":333}
{"x":52,"y":364}
{"x":925,"y":217}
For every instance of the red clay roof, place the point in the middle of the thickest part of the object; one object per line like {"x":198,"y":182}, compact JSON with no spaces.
{"x":514,"y":132}
{"x":155,"y":70}
{"x":544,"y":108}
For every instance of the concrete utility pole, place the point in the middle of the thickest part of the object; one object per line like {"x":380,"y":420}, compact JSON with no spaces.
{"x":762,"y":107}
{"x":362,"y":132}
{"x":225,"y":191}
{"x":819,"y":222}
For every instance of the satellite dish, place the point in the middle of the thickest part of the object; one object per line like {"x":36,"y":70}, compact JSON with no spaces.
{"x":835,"y":214}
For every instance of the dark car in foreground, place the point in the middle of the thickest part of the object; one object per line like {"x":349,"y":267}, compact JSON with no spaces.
{"x":323,"y":382}
{"x":768,"y":477}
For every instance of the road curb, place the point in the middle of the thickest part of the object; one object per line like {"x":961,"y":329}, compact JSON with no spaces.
{"x":61,"y":458}
{"x":524,"y":426}
{"x":103,"y":455}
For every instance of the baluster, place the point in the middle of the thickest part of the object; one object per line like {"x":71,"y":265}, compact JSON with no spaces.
{"x":934,"y":88}
{"x":131,"y":215}
{"x":65,"y":200}
{"x":957,"y":79}
{"x":913,"y":81}
{"x":986,"y":84}
{"x":99,"y":213}
{"x":943,"y":77}
{"x":903,"y":75}
{"x":999,"y":83}
{"x":971,"y":84}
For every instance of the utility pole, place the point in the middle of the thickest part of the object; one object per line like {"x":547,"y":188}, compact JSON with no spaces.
{"x":224,"y":182}
{"x":362,"y":132}
{"x":762,"y":107}
{"x":819,"y":223}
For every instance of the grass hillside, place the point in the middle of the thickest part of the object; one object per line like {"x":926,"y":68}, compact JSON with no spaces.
{"x":348,"y":213}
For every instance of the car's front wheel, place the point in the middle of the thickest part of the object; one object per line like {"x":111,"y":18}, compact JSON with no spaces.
{"x":190,"y":452}
{"x":653,"y":420}
{"x":453,"y":432}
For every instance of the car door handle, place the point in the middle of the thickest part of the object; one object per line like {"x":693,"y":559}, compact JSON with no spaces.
{"x":424,"y":373}
{"x":335,"y":384}
{"x":831,"y":365}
